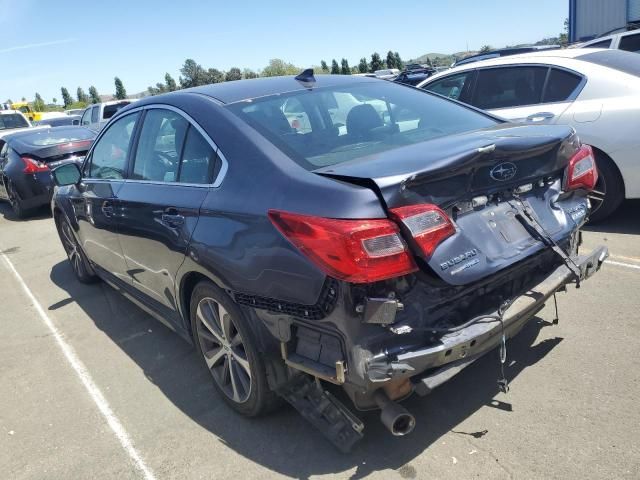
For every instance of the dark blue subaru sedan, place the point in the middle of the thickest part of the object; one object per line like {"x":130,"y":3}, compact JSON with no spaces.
{"x":309,"y":230}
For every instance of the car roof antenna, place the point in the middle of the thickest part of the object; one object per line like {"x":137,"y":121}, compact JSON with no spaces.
{"x":306,"y":76}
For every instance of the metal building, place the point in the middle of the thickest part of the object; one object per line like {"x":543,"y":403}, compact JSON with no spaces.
{"x":590,"y":18}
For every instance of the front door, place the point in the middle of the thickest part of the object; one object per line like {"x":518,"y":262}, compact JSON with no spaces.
{"x":169,"y":180}
{"x":97,"y":206}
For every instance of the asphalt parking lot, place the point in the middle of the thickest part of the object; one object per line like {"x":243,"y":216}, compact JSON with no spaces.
{"x":92,"y":387}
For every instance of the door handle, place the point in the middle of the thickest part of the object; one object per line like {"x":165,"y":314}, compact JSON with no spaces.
{"x":172,"y":218}
{"x":540,"y":117}
{"x":107,"y":209}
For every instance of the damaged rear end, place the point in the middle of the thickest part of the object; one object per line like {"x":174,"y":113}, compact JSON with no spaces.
{"x":475,"y":242}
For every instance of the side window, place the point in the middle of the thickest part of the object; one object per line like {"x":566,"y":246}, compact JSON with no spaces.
{"x":602,"y":44}
{"x":509,"y":87}
{"x":451,"y":86}
{"x":160,"y":145}
{"x":630,"y":43}
{"x":94,"y":114}
{"x":296,"y":115}
{"x":560,"y":85}
{"x":86,"y":117}
{"x":109,"y":156}
{"x":198,"y":159}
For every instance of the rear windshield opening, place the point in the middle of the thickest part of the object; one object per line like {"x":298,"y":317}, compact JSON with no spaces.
{"x":12,"y":120}
{"x":327,"y":126}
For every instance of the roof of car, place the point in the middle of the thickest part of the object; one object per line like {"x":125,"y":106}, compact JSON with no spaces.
{"x":230,"y":92}
{"x":10,"y":112}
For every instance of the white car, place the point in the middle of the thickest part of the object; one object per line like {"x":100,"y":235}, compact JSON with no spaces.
{"x":12,"y":121}
{"x":595,"y":91}
{"x":629,"y":41}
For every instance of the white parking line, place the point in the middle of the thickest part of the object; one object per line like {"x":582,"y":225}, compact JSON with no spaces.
{"x":85,"y":377}
{"x":621,"y":264}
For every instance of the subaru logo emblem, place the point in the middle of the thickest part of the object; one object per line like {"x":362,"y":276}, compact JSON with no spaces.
{"x":503,"y":172}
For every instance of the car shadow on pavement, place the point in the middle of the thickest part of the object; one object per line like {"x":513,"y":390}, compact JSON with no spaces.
{"x":35,"y":214}
{"x":284,"y":442}
{"x":624,"y":220}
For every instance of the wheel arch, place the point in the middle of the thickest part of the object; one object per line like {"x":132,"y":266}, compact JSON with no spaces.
{"x":602,"y":154}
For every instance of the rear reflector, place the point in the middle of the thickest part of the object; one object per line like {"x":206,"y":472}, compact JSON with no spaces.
{"x":357,"y":251}
{"x":33,"y":166}
{"x":582,"y":171}
{"x":427,"y":223}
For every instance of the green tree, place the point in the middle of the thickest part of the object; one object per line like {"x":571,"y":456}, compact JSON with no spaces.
{"x":344,"y":69}
{"x":335,"y":69}
{"x":170,"y":83}
{"x":429,"y":62}
{"x":391,"y":60}
{"x":55,"y":101}
{"x":233,"y":74}
{"x":363,"y":66}
{"x":24,"y":99}
{"x":192,"y":74}
{"x":93,"y":93}
{"x":38,"y":103}
{"x":213,"y":75}
{"x":82,"y":97}
{"x":486,"y":48}
{"x":121,"y":93}
{"x":279,"y":67}
{"x":399,"y":62}
{"x":376,"y":62}
{"x":248,"y":73}
{"x":66,"y":98}
{"x":324,"y":66}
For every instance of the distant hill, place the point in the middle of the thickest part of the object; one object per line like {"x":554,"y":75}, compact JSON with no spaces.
{"x":441,"y":58}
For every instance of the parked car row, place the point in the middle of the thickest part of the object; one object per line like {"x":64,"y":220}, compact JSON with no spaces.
{"x":332,"y":229}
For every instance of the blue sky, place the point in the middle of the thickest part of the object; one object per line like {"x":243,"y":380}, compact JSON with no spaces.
{"x":70,"y":43}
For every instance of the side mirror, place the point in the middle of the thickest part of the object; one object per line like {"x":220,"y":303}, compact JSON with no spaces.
{"x":75,"y":122}
{"x":67,"y":174}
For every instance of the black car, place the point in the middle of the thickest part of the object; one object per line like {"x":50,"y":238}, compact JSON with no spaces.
{"x":389,"y":244}
{"x":26,"y":160}
{"x":61,"y":121}
{"x":414,"y":77}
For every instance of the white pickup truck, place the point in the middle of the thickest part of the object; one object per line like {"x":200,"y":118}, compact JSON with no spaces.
{"x":96,"y":116}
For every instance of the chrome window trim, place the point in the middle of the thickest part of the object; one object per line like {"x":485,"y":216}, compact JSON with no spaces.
{"x":224,"y":167}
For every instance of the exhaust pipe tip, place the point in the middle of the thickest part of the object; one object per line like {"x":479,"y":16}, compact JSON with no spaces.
{"x":394,"y":416}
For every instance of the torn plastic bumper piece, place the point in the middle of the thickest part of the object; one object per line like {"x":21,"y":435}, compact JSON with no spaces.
{"x":456,"y":350}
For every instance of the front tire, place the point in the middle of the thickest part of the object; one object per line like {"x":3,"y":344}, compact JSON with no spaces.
{"x":226,"y":342}
{"x":79,"y":262}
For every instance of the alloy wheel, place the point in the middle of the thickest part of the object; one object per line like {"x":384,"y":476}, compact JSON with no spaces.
{"x":597,"y":195}
{"x":223,"y":349}
{"x":71,"y":247}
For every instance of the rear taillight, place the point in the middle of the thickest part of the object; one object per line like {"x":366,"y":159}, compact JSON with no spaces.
{"x":357,"y":251}
{"x":428,"y":225}
{"x":33,"y":166}
{"x":582,"y":171}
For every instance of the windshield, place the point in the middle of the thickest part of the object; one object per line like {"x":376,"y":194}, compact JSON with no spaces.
{"x":12,"y":120}
{"x":44,"y":138}
{"x":327,"y":126}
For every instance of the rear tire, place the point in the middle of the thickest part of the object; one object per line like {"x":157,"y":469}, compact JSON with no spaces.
{"x":78,"y":260}
{"x":15,"y":202}
{"x":225,"y":341}
{"x":609,"y":191}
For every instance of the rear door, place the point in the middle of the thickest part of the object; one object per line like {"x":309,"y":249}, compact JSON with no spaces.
{"x":526,"y":93}
{"x":172,"y":168}
{"x":97,"y":206}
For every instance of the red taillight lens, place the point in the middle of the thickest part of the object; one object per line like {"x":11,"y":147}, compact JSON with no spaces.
{"x":357,"y":251}
{"x":33,"y":166}
{"x":582,"y":171}
{"x":428,"y":224}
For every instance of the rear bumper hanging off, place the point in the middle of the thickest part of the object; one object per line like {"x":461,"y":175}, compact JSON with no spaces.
{"x":457,"y":350}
